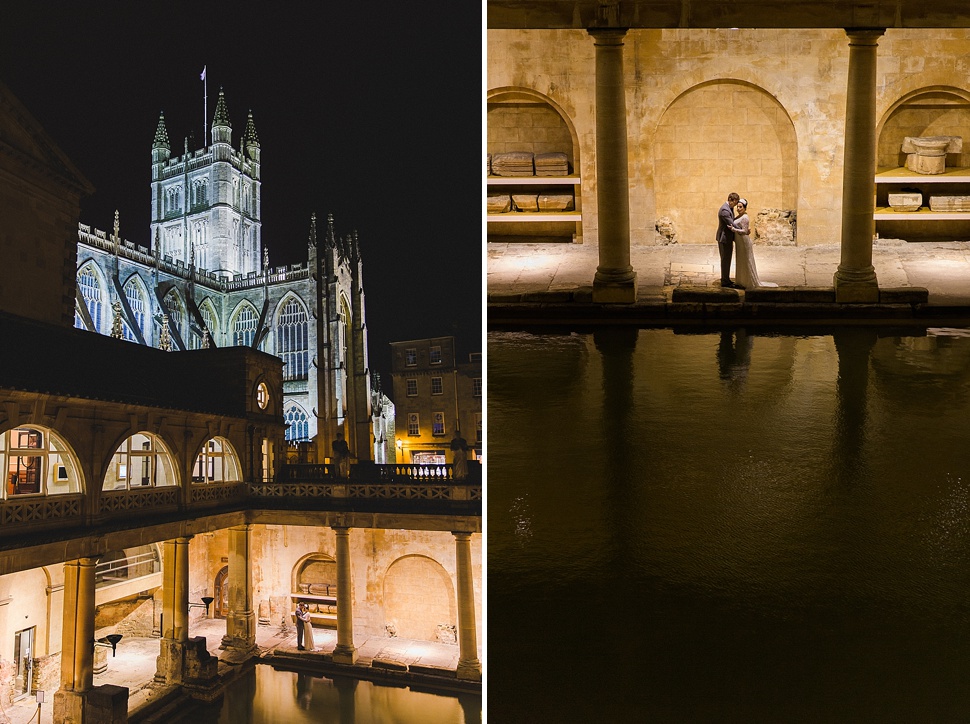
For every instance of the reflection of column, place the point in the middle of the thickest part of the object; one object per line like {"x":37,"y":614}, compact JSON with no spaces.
{"x":344,"y":652}
{"x":347,"y":694}
{"x":615,"y":280}
{"x":241,"y":619}
{"x":854,"y":348}
{"x":855,"y":279}
{"x":469,"y":667}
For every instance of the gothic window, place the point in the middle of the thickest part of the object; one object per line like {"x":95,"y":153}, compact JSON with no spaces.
{"x":216,"y":463}
{"x":209,"y":317}
{"x":297,"y":423}
{"x":414,"y":429}
{"x":142,"y":460}
{"x":244,"y":326}
{"x":434,"y":355}
{"x":199,"y":243}
{"x":411,"y":357}
{"x":291,"y":340}
{"x":136,"y":301}
{"x":412,"y":386}
{"x":200,"y":193}
{"x":436,"y":387}
{"x":235,"y":192}
{"x":437,"y":423}
{"x":36,"y":461}
{"x":175,"y":310}
{"x":173,"y":200}
{"x":93,"y":294}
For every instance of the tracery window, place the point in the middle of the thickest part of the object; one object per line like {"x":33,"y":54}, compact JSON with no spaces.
{"x":136,"y":301}
{"x":90,"y":286}
{"x":297,"y":423}
{"x":209,"y":317}
{"x":142,"y":460}
{"x":37,"y":461}
{"x":291,"y":340}
{"x":244,"y":327}
{"x":216,"y":463}
{"x":176,"y":312}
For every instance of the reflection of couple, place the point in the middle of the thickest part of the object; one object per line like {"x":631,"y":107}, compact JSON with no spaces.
{"x":734,"y":229}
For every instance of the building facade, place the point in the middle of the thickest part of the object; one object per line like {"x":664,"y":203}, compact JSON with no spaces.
{"x":438,"y":398}
{"x":206,"y":277}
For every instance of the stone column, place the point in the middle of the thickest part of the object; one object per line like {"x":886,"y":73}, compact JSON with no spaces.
{"x":77,"y":641}
{"x":855,"y":279}
{"x":469,"y":667}
{"x":615,"y":280}
{"x":241,"y":618}
{"x":344,"y":652}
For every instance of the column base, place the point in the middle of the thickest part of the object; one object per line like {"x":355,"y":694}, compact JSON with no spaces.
{"x":343,"y":654}
{"x":469,"y":670}
{"x":615,"y":289}
{"x":106,"y":704}
{"x":856,"y":287}
{"x":186,"y":662}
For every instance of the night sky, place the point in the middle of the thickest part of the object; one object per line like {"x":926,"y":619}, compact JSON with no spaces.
{"x":367,"y":111}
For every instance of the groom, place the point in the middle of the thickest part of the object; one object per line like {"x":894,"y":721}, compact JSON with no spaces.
{"x":725,"y":239}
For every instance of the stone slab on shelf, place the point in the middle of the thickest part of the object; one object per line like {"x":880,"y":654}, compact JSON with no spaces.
{"x":556,"y":202}
{"x":525,"y":202}
{"x":498,"y":203}
{"x":949,"y":203}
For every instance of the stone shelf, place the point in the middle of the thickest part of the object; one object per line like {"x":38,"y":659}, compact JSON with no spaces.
{"x":905,"y":176}
{"x":885,"y":213}
{"x":534,"y":180}
{"x":532,"y":216}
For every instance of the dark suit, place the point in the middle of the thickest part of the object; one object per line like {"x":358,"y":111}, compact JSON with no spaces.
{"x":725,"y":240}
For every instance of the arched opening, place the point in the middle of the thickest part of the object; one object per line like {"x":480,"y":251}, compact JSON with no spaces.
{"x":297,"y":423}
{"x":37,"y":461}
{"x":932,"y":111}
{"x":547,"y":206}
{"x":243,"y":325}
{"x":209,"y":317}
{"x":419,"y":600}
{"x":719,"y":137}
{"x":142,"y":460}
{"x":94,"y":292}
{"x":175,"y":309}
{"x":315,"y":583}
{"x":291,"y":338}
{"x":217,"y":462}
{"x":137,"y":298}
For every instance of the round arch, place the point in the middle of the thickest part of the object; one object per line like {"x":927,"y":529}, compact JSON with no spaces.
{"x":141,"y":460}
{"x":37,"y":460}
{"x":702,"y":152}
{"x":419,"y":599}
{"x":314,"y":574}
{"x":216,"y":462}
{"x":929,"y":111}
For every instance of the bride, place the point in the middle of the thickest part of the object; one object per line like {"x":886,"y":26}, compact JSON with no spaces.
{"x":746,"y":273}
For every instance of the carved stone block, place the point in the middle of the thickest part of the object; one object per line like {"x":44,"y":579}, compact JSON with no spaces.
{"x":513,"y":163}
{"x":906,"y":201}
{"x":949,"y":203}
{"x":927,"y":154}
{"x":556,"y":202}
{"x":498,"y":203}
{"x":525,"y":202}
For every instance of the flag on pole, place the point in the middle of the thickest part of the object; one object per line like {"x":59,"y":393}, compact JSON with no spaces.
{"x":202,"y":77}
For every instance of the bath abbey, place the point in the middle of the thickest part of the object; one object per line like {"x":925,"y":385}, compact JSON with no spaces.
{"x":206,"y":282}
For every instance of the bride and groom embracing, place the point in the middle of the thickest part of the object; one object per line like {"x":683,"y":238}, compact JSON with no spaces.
{"x":733,"y":229}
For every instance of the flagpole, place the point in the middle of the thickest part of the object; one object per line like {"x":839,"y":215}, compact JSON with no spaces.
{"x":205,"y":106}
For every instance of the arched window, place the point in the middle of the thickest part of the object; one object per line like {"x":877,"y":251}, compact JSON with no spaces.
{"x":216,"y":463}
{"x":209,"y":317}
{"x":37,"y":461}
{"x":297,"y":423}
{"x":176,"y":311}
{"x":140,"y":461}
{"x":93,"y":294}
{"x":291,"y":340}
{"x":134,"y":293}
{"x":244,"y":326}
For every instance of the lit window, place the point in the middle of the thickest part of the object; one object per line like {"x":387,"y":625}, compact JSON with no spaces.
{"x":411,"y":357}
{"x":436,"y":388}
{"x":477,"y":387}
{"x":297,"y":424}
{"x":140,"y":461}
{"x":414,"y":430}
{"x":435,"y":355}
{"x":412,"y":386}
{"x":176,"y":313}
{"x":136,"y":302}
{"x":216,"y":463}
{"x":262,"y":395}
{"x":90,"y":287}
{"x":291,"y":340}
{"x":244,"y":327}
{"x":437,"y":423}
{"x":37,"y":463}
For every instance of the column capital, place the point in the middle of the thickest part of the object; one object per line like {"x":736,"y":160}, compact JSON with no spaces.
{"x":607,"y":36}
{"x":462,"y":534}
{"x":341,"y":529}
{"x":864,"y":36}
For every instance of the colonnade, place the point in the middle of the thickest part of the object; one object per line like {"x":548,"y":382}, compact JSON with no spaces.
{"x":855,"y":279}
{"x":184,"y":660}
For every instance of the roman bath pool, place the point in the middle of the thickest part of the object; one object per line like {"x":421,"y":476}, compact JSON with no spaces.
{"x":729,"y":525}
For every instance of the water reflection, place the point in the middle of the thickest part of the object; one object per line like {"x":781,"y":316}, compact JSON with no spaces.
{"x":266,"y":695}
{"x":729,"y":527}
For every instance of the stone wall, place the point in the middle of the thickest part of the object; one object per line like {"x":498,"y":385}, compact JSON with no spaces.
{"x":760,"y":112}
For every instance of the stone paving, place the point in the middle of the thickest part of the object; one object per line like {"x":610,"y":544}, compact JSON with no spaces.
{"x":134,"y":663}
{"x":534,"y":272}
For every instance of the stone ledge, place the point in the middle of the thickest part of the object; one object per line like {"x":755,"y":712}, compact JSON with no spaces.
{"x":709,"y":295}
{"x":790,"y":295}
{"x":903,"y":295}
{"x":432,"y":670}
{"x":388,"y":664}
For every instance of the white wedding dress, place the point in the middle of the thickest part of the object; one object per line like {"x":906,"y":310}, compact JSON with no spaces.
{"x":746,"y":271}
